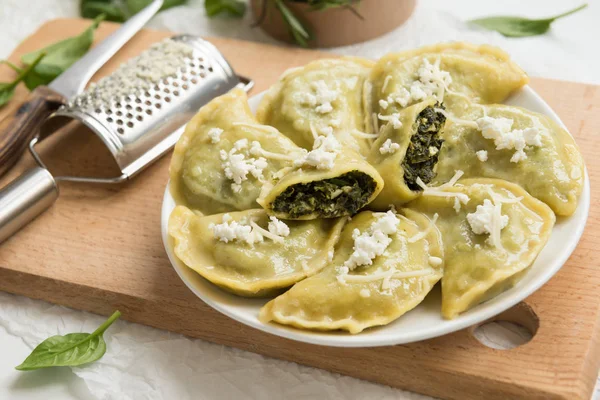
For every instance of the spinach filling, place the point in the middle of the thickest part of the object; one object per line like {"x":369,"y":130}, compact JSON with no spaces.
{"x":424,"y":148}
{"x":329,"y":198}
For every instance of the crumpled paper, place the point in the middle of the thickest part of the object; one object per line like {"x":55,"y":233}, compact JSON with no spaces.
{"x":147,"y":363}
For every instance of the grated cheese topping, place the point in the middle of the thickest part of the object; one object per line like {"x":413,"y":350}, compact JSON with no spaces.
{"x":323,"y":155}
{"x":488,"y":219}
{"x":438,"y":191}
{"x":373,"y":242}
{"x":364,"y":293}
{"x":500,"y":131}
{"x":248,"y":231}
{"x":214,"y":134}
{"x":321,"y":99}
{"x":393,"y":119}
{"x":389,"y":147}
{"x":482,"y":155}
{"x":237,"y":167}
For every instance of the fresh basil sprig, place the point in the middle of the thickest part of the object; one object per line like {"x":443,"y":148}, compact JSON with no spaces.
{"x":59,"y":56}
{"x":7,"y":89}
{"x":69,"y":350}
{"x":235,"y":8}
{"x":521,"y":27}
{"x":301,"y":34}
{"x":119,"y":10}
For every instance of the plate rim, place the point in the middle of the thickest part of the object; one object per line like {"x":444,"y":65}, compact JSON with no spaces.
{"x":476,"y":315}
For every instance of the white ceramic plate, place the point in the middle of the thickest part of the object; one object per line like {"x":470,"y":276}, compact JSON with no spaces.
{"x":424,"y":321}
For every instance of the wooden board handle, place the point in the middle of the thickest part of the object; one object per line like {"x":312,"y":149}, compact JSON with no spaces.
{"x":17,"y":130}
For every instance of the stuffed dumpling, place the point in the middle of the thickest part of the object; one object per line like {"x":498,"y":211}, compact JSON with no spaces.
{"x":492,"y":230}
{"x":364,"y":288}
{"x":212,"y":169}
{"x":324,"y":96}
{"x":449,"y":72}
{"x":329,"y":181}
{"x":248,"y":252}
{"x":512,"y":143}
{"x":406,"y":152}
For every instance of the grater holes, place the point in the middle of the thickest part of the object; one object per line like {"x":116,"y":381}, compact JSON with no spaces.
{"x":157,"y":96}
{"x":119,"y":113}
{"x":158,"y":105}
{"x":184,"y":78}
{"x":108,"y":112}
{"x":138,"y":100}
{"x":139,"y":118}
{"x":193,"y":72}
{"x":168,"y":99}
{"x":166,"y":90}
{"x":149,"y":111}
{"x":176,"y":92}
{"x":119,"y":122}
{"x":130,"y":124}
{"x":210,"y":69}
{"x":175,"y":84}
{"x":202,"y":75}
{"x":109,"y":119}
{"x":129,"y":115}
{"x":138,"y":109}
{"x":148,"y":103}
{"x":194,"y":81}
{"x":185,"y":86}
{"x":121,"y":130}
{"x":97,"y":111}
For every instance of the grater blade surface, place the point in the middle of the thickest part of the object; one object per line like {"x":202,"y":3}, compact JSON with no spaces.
{"x":140,"y":111}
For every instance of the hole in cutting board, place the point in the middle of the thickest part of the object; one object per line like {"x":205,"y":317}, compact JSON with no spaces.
{"x":512,"y":328}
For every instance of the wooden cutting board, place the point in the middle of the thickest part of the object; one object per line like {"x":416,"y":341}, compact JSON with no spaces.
{"x":99,"y":249}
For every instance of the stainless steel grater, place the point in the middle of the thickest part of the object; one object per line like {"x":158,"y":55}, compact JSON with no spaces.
{"x":138,"y":124}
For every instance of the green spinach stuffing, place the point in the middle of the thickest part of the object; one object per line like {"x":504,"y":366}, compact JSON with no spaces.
{"x":424,"y":148}
{"x":329,"y":198}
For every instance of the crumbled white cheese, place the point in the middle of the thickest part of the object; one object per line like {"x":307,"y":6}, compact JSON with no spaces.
{"x":364,"y":293}
{"x":373,"y":242}
{"x":485,"y":220}
{"x":438,"y":191}
{"x":214,"y":134}
{"x":482,"y":155}
{"x":402,"y":97}
{"x":435,"y":261}
{"x":237,"y":167}
{"x":323,"y":155}
{"x":383,"y":104}
{"x":321,"y":99}
{"x":251,"y":233}
{"x":330,"y":255}
{"x":500,"y":131}
{"x":456,"y":205}
{"x":393,"y":119}
{"x":278,"y":227}
{"x":389,"y":147}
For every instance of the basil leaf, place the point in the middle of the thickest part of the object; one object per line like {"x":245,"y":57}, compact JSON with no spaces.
{"x":520,"y":27}
{"x":134,"y":6}
{"x":235,"y":8}
{"x":69,"y":350}
{"x":94,"y":8}
{"x":299,"y":32}
{"x":7,"y":89}
{"x":59,"y":56}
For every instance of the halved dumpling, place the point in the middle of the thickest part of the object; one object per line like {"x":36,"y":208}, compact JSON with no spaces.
{"x":311,"y":192}
{"x":250,"y":254}
{"x":407,"y":151}
{"x":450,"y":72}
{"x":406,"y":262}
{"x":512,"y":143}
{"x":324,"y":96}
{"x":489,"y":241}
{"x":212,"y":168}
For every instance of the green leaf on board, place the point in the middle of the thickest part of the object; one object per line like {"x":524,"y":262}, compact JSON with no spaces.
{"x":59,"y":56}
{"x":119,"y":10}
{"x":7,"y":89}
{"x":69,"y":350}
{"x":234,"y":8}
{"x":521,"y":27}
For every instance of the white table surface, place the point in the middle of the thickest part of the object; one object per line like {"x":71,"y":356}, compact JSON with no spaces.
{"x":146,"y":363}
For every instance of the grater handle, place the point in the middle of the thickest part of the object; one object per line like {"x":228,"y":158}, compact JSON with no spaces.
{"x":17,"y":130}
{"x":24,"y":199}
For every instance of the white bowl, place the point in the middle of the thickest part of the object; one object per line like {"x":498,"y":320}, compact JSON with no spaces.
{"x":424,"y":321}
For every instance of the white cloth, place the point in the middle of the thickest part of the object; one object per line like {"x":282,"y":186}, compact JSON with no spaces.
{"x":146,"y":363}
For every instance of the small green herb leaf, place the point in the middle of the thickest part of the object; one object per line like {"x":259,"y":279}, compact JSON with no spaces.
{"x":135,"y":6}
{"x":59,"y":56}
{"x":7,"y":89}
{"x":298,"y":30}
{"x":115,"y":12}
{"x":235,"y":8}
{"x":69,"y":350}
{"x":521,"y":27}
